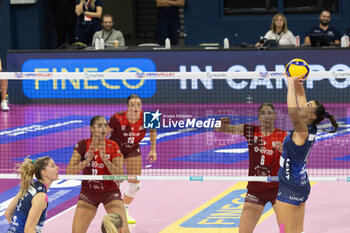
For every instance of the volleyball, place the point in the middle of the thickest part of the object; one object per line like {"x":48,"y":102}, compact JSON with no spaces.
{"x":298,"y":67}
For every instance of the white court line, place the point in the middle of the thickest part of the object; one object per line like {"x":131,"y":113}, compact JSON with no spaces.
{"x":63,"y":212}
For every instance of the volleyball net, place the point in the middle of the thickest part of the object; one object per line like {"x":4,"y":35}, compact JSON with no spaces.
{"x":51,"y":112}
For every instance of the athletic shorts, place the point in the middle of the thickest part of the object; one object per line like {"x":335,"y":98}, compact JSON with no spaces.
{"x":131,"y":152}
{"x":95,"y":198}
{"x":292,"y":195}
{"x":261,"y":198}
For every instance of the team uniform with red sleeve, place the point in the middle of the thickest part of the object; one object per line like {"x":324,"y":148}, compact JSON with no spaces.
{"x":126,"y":134}
{"x":95,"y":191}
{"x":263,"y":161}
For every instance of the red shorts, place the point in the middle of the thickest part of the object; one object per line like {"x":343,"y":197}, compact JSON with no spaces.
{"x":131,"y":152}
{"x":95,"y":198}
{"x":261,"y":198}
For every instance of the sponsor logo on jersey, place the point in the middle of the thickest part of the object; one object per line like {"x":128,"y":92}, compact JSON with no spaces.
{"x":252,"y":198}
{"x":312,"y":137}
{"x":131,"y":134}
{"x":14,"y":221}
{"x":296,"y":198}
{"x":263,"y":150}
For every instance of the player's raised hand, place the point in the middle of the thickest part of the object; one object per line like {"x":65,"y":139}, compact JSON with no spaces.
{"x":90,"y":154}
{"x":296,"y":79}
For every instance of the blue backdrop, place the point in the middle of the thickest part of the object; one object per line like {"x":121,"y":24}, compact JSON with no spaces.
{"x":178,"y":61}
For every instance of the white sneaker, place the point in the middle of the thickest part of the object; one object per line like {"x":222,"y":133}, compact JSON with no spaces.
{"x":130,"y":219}
{"x":4,"y":105}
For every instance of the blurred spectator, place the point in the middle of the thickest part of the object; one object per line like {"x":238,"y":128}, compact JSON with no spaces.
{"x":324,"y":28}
{"x":65,"y":18}
{"x":4,"y":83}
{"x":89,"y":14}
{"x":168,"y":25}
{"x":279,"y":31}
{"x":112,"y":223}
{"x":108,"y":33}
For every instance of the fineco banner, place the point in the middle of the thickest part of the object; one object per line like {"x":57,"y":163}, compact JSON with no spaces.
{"x":325,"y":89}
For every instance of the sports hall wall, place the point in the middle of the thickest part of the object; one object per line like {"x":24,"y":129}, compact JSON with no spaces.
{"x":31,"y":26}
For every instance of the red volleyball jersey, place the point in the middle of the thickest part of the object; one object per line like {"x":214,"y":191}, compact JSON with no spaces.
{"x":263,"y":158}
{"x":127,"y":135}
{"x":97,"y":166}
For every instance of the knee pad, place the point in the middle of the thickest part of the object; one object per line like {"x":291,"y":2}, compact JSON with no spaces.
{"x":132,"y":189}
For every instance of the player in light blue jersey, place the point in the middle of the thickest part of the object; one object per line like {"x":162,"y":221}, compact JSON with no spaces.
{"x":294,"y":186}
{"x":27,"y":210}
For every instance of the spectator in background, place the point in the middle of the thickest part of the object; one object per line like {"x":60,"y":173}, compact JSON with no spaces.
{"x":89,"y":14}
{"x":279,"y":31}
{"x":168,"y":25}
{"x":108,"y":33}
{"x":324,"y":28}
{"x":65,"y":18}
{"x":4,"y":84}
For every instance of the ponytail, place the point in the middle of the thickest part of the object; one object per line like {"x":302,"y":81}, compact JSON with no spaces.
{"x":333,"y":122}
{"x":111,"y":223}
{"x":28,"y":169}
{"x":321,"y":114}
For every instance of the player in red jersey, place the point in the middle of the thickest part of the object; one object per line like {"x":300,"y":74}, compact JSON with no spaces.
{"x":265,"y":148}
{"x":127,"y":130}
{"x":97,"y":156}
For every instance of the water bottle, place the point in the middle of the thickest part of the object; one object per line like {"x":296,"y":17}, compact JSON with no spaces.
{"x":226,"y":43}
{"x":97,"y":44}
{"x":167,"y":43}
{"x":102,"y":43}
{"x":297,"y":41}
{"x":344,"y":41}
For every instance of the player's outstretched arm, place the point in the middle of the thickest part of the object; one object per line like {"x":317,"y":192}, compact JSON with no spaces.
{"x":296,"y":92}
{"x":227,"y":128}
